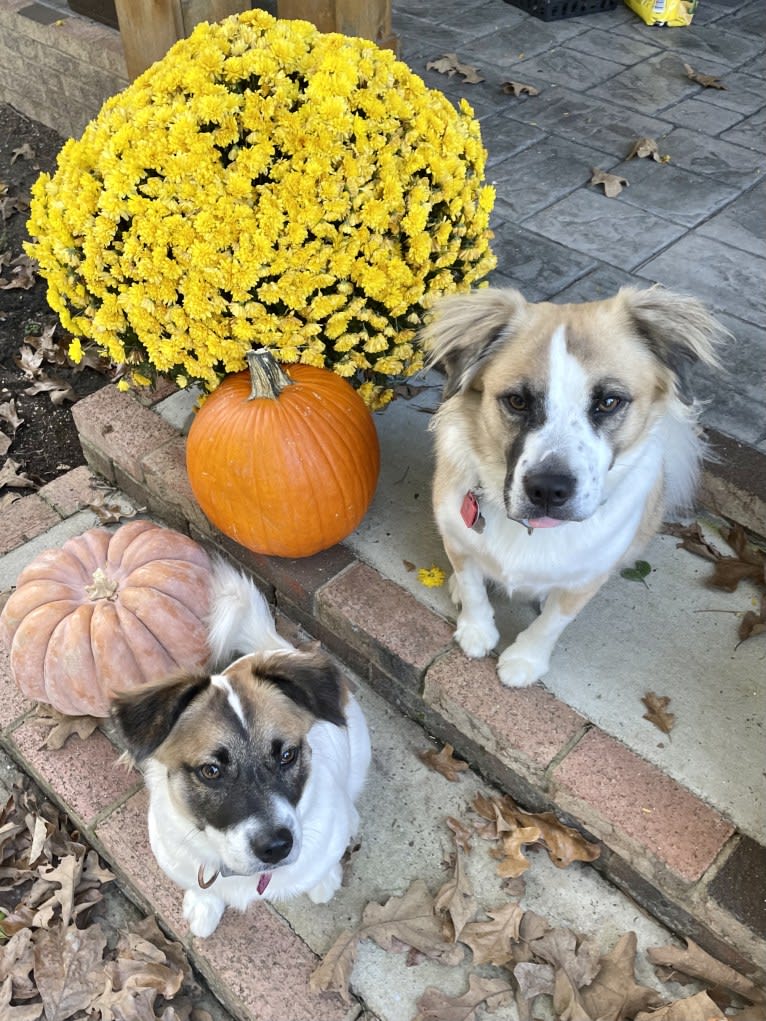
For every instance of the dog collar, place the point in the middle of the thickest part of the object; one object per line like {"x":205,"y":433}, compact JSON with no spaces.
{"x":470,"y":512}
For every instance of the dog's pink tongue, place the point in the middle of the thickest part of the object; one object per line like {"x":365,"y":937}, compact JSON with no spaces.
{"x":263,"y":881}
{"x":544,"y":522}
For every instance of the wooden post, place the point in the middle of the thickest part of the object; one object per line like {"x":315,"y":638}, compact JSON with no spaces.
{"x":149,"y":28}
{"x":369,"y":19}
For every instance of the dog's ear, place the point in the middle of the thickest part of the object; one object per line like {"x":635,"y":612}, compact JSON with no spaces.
{"x":146,"y":716}
{"x":310,"y":679}
{"x":677,"y":328}
{"x":466,"y":330}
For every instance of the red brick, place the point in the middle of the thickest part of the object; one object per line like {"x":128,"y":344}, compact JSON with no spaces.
{"x":125,"y":838}
{"x":23,"y":520}
{"x":120,"y":429}
{"x":521,"y":726}
{"x":636,"y":808}
{"x":383,"y":622}
{"x":268,"y":972}
{"x":85,"y":774}
{"x":164,"y":472}
{"x":12,"y":702}
{"x":71,"y":492}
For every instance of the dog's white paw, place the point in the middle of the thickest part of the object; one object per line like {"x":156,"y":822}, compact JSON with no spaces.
{"x":476,"y":639}
{"x":518,"y":671}
{"x":203,"y":912}
{"x":328,"y":886}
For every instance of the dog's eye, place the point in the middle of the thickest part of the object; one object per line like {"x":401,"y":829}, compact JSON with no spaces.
{"x":516,"y":402}
{"x":288,"y":756}
{"x":607,"y":405}
{"x":210,"y":771}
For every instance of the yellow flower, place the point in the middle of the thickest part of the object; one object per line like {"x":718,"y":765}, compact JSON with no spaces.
{"x":431,"y":577}
{"x":75,"y":351}
{"x":265,"y":183}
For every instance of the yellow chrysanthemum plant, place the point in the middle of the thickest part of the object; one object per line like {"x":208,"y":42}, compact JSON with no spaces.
{"x":265,"y":184}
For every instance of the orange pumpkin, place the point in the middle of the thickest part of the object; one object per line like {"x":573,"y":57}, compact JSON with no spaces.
{"x":284,"y":460}
{"x":107,"y":612}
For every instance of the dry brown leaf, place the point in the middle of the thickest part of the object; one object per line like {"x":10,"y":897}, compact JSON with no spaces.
{"x":614,"y":994}
{"x":409,"y":566}
{"x":443,"y":762}
{"x":5,"y":444}
{"x":512,"y":860}
{"x":411,"y":920}
{"x":694,"y":961}
{"x":11,"y":476}
{"x":460,"y":833}
{"x":57,"y":389}
{"x":613,"y":183}
{"x":10,"y":415}
{"x":534,"y":979}
{"x":657,"y":711}
{"x":25,"y":152}
{"x":563,"y":843}
{"x":490,"y":942}
{"x":519,"y":89}
{"x":700,"y":1007}
{"x":753,"y":623}
{"x":23,"y":1012}
{"x":62,"y":727}
{"x":709,"y":81}
{"x":456,"y":899}
{"x":22,"y":276}
{"x":645,"y":148}
{"x":450,"y":64}
{"x":67,"y":875}
{"x":561,"y":948}
{"x":489,"y":993}
{"x":68,"y":969}
{"x":333,"y":973}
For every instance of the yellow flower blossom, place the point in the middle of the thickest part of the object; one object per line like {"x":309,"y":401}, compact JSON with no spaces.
{"x":431,"y":577}
{"x":264,"y":183}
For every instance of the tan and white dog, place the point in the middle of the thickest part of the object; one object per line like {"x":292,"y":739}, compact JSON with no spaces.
{"x":563,"y":439}
{"x":253,"y":771}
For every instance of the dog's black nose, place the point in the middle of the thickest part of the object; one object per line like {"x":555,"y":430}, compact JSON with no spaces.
{"x":549,"y":489}
{"x":274,"y":847}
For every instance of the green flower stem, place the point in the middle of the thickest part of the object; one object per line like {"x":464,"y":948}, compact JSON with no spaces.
{"x":267,"y":377}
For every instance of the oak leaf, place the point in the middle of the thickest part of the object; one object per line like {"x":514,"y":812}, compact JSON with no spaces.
{"x":519,"y":89}
{"x":697,"y":963}
{"x":753,"y":623}
{"x":700,"y":1007}
{"x":11,"y":476}
{"x":68,"y":969}
{"x":22,"y":276}
{"x":409,"y":919}
{"x":645,"y":148}
{"x":511,"y":856}
{"x":28,"y":1012}
{"x":614,"y":994}
{"x":613,"y":183}
{"x":489,"y":993}
{"x":657,"y":711}
{"x":490,"y":942}
{"x":444,"y":762}
{"x":455,"y":898}
{"x":333,"y":974}
{"x":534,"y":979}
{"x":450,"y":64}
{"x":708,"y":81}
{"x":563,"y":843}
{"x":461,"y":834}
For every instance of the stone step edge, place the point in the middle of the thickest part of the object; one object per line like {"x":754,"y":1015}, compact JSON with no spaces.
{"x":143,"y":455}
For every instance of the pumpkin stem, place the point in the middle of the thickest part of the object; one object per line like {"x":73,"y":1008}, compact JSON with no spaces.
{"x":267,"y":377}
{"x":103,"y":586}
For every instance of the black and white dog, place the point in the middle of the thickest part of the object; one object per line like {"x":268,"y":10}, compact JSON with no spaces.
{"x":253,"y":771}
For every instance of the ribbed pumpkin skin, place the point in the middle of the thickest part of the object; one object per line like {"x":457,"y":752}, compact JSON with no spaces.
{"x":73,"y":651}
{"x":287,"y":476}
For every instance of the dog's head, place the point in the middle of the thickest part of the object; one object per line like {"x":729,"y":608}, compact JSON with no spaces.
{"x":554,"y":396}
{"x":232,"y":750}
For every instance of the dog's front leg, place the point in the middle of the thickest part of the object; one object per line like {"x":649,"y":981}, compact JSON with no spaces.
{"x":528,"y":658}
{"x":203,"y":911}
{"x":476,"y":633}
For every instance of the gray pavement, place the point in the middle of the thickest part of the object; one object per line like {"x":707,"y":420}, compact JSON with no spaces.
{"x":696,"y":223}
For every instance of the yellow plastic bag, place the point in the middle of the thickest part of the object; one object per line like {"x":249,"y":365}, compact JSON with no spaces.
{"x":673,"y":13}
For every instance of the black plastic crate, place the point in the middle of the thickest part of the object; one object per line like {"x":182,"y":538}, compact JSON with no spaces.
{"x":555,"y":10}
